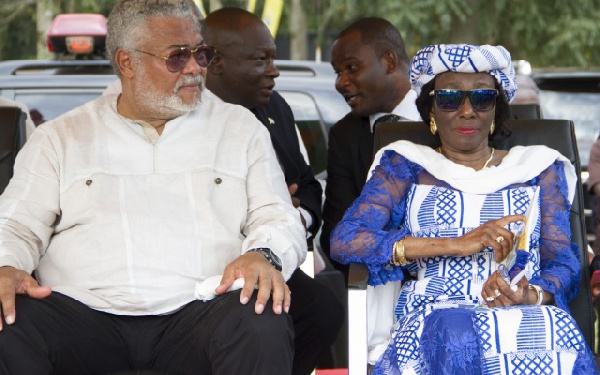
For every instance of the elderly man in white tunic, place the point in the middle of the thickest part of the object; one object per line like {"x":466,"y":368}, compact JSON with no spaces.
{"x":157,"y":223}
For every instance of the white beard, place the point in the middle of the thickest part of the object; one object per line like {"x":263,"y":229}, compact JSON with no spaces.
{"x":166,"y":106}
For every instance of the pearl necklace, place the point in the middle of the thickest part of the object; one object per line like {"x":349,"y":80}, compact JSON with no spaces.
{"x":439,"y":150}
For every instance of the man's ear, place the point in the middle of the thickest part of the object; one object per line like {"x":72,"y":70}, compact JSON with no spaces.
{"x":390,"y":59}
{"x":216,"y":65}
{"x":124,"y":61}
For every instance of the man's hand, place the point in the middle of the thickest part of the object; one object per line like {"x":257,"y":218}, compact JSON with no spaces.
{"x":256,"y":270}
{"x":292,"y":189}
{"x":14,"y":281}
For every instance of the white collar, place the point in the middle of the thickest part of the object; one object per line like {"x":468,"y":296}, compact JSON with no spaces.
{"x":406,"y":110}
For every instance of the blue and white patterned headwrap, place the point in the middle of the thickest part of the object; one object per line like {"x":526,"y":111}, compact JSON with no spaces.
{"x":463,"y":58}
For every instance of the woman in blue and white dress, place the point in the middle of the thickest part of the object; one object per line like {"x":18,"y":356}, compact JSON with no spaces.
{"x":450,"y":216}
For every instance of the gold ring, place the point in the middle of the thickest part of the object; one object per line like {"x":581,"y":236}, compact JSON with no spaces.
{"x":500,"y":239}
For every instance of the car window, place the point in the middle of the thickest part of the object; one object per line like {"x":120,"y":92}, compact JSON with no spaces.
{"x":45,"y":105}
{"x":582,"y":109}
{"x":311,"y":128}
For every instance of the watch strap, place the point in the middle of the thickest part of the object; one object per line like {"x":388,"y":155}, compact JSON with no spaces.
{"x":271,"y":257}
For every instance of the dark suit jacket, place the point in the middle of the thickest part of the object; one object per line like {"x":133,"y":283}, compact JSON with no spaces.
{"x":349,"y":158}
{"x":277,"y":116}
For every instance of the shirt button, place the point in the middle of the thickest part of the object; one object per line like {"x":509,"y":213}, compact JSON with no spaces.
{"x":88,"y":182}
{"x":218,"y":180}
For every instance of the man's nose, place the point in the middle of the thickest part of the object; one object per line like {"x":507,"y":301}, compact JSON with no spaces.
{"x":192,"y":67}
{"x":272,"y":70}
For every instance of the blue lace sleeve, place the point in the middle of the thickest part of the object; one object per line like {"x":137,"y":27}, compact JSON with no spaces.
{"x":559,"y":257}
{"x":374,"y":222}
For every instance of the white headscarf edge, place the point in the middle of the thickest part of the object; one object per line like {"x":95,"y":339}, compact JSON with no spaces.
{"x":521,"y":164}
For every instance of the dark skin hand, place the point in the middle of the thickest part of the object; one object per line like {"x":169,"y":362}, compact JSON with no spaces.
{"x":12,"y":282}
{"x":256,"y":270}
{"x":254,"y":267}
{"x":487,"y":234}
{"x":595,"y":291}
{"x":508,"y":297}
{"x":492,"y":234}
{"x":292,"y":189}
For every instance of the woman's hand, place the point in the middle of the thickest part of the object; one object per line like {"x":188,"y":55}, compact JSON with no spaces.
{"x":490,"y":234}
{"x":497,"y":292}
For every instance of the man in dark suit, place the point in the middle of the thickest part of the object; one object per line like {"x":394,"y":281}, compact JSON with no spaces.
{"x":243,"y":72}
{"x":371,"y":63}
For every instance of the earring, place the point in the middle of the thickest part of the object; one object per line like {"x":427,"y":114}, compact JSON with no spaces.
{"x":432,"y":125}
{"x":493,"y":127}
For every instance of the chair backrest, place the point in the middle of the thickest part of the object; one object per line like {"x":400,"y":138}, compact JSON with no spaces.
{"x":526,"y":111}
{"x":12,"y":138}
{"x":556,"y":134}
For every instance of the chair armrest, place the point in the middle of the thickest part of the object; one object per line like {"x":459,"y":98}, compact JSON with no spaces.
{"x":357,"y":319}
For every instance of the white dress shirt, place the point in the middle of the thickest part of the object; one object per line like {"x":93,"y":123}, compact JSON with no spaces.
{"x":116,"y":88}
{"x":406,"y":110}
{"x":128,"y":222}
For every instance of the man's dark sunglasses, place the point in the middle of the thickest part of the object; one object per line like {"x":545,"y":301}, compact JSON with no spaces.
{"x":177,"y":59}
{"x":451,"y":100}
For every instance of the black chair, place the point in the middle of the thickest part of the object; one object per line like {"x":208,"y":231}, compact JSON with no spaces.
{"x":557,"y":134}
{"x":12,"y":139}
{"x":139,"y":372}
{"x":526,"y":111}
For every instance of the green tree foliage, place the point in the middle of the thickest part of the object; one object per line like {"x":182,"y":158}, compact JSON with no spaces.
{"x":554,"y":32}
{"x":545,"y":32}
{"x":18,"y":29}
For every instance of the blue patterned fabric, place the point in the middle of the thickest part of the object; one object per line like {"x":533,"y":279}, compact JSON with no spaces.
{"x":432,"y":60}
{"x":442,"y":303}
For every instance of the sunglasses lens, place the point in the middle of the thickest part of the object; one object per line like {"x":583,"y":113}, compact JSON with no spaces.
{"x":177,"y":60}
{"x":204,"y":55}
{"x":483,"y":100}
{"x":449,"y":100}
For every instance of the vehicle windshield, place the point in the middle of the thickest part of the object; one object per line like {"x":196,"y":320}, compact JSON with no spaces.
{"x":582,"y":109}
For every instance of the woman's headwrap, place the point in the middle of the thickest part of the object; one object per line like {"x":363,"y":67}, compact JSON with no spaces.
{"x":463,"y":58}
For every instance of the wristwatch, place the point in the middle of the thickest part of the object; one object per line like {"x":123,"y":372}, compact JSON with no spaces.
{"x":270,"y":255}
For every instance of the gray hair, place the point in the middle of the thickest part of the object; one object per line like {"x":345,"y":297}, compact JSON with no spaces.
{"x":127,"y":22}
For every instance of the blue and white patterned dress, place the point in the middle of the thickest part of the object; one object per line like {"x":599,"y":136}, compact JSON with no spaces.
{"x":441,"y":326}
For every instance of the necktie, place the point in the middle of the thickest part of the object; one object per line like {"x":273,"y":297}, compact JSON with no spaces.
{"x":387,"y":118}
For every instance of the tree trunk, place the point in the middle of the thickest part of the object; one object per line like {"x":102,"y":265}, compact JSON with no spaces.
{"x":298,"y":34}
{"x":466,"y":31}
{"x":45,"y":12}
